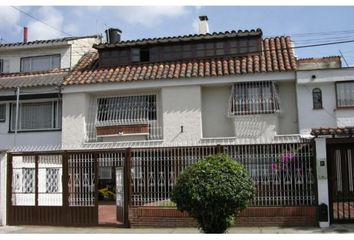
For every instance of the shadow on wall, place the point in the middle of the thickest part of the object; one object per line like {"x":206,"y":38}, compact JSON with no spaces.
{"x":254,"y":127}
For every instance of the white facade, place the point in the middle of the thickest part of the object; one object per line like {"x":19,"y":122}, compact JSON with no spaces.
{"x":329,"y":115}
{"x":189,"y":114}
{"x":70,"y":52}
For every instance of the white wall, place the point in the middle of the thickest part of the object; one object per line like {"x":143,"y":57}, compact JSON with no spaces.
{"x":2,"y":188}
{"x":329,"y":116}
{"x":14,"y":57}
{"x":288,"y":117}
{"x":181,"y":106}
{"x":75,"y":112}
{"x":215,"y":119}
{"x":81,"y":46}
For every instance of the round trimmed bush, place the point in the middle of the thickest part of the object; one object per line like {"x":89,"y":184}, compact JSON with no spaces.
{"x":213,"y":191}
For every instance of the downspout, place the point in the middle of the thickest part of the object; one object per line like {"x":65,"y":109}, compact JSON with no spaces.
{"x":16,"y":118}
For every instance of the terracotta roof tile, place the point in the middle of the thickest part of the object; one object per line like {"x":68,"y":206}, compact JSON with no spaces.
{"x":277,"y":56}
{"x":332,"y":131}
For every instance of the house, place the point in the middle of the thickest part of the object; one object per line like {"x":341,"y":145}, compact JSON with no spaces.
{"x":33,"y":71}
{"x":325,"y":102}
{"x":137,"y":113}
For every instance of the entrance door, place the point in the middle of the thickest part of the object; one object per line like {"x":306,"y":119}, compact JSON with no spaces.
{"x":341,"y":182}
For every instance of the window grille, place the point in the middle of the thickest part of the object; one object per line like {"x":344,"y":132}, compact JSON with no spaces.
{"x":126,"y":110}
{"x":254,"y":98}
{"x":2,"y":112}
{"x":317,"y":98}
{"x":345,"y":94}
{"x":36,"y":116}
{"x":40,"y":63}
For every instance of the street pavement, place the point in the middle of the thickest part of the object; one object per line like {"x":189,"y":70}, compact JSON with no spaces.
{"x":344,"y":228}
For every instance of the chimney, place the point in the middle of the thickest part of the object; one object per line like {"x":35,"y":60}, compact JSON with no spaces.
{"x":203,"y":25}
{"x":25,"y":34}
{"x":113,"y":35}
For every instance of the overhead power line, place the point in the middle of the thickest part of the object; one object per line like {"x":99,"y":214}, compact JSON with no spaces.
{"x":39,"y":20}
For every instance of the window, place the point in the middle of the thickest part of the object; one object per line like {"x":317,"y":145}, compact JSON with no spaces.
{"x":40,"y":63}
{"x":345,"y":94}
{"x":2,"y":112}
{"x":1,"y":65}
{"x":52,"y":180}
{"x":254,"y":98}
{"x":36,"y":116}
{"x":126,"y":110}
{"x":317,"y":98}
{"x":140,"y":54}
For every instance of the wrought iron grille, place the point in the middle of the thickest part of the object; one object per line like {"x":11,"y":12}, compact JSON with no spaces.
{"x":283,"y":173}
{"x":254,"y":98}
{"x":23,"y":181}
{"x":81,"y":180}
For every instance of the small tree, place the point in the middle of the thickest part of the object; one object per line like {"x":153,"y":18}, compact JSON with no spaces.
{"x":213,"y":191}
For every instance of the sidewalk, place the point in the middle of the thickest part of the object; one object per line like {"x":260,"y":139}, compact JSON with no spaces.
{"x":345,"y":228}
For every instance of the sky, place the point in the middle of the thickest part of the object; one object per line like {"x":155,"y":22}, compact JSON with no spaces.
{"x":306,"y":25}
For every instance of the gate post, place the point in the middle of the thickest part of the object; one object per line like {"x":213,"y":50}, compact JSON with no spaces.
{"x":66,"y":213}
{"x":127,"y":186}
{"x":9,"y":189}
{"x":322,"y":178}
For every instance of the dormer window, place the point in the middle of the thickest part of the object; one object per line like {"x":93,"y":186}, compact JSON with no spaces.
{"x":140,"y":54}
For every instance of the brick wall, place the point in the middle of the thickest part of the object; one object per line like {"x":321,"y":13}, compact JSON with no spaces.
{"x":270,"y":216}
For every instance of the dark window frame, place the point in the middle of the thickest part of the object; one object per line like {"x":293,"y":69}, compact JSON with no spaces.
{"x":38,"y":56}
{"x":3,"y":108}
{"x":317,"y":98}
{"x":56,"y":108}
{"x":1,"y":65}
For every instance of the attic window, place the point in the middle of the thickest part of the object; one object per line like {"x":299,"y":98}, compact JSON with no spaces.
{"x":254,"y":98}
{"x":140,"y":54}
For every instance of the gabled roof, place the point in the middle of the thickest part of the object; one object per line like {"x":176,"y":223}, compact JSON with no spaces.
{"x":32,"y":79}
{"x":276,"y":56}
{"x":40,"y":42}
{"x":184,"y":38}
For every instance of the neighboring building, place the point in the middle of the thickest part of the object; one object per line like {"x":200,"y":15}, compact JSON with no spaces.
{"x":137,"y":113}
{"x":325,"y":99}
{"x":36,"y":69}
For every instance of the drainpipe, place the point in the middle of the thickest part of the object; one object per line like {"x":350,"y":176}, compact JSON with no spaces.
{"x":16,"y":118}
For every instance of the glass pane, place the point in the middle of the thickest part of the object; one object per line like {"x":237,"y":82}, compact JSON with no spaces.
{"x":345,"y":94}
{"x":25,"y":65}
{"x":55,"y":62}
{"x":41,"y":63}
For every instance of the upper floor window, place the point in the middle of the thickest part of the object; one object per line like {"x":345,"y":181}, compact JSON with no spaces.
{"x":40,"y":63}
{"x":4,"y":66}
{"x":126,"y":109}
{"x":317,"y":98}
{"x":2,"y":112}
{"x":34,"y":116}
{"x":128,"y":115}
{"x":345,"y":94}
{"x":254,"y":98}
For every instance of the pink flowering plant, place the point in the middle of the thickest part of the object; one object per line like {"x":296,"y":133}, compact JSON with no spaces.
{"x":283,"y":163}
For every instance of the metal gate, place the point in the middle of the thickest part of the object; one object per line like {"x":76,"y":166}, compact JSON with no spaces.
{"x":341,"y":182}
{"x":60,"y":188}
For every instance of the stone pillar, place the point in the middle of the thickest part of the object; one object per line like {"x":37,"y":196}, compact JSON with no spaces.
{"x":322,"y":178}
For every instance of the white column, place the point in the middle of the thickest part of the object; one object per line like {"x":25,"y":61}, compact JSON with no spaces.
{"x":3,"y":165}
{"x":322,"y":178}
